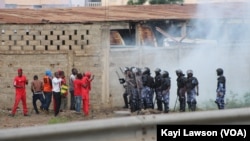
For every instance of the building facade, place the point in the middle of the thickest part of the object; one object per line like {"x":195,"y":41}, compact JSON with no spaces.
{"x":105,"y":47}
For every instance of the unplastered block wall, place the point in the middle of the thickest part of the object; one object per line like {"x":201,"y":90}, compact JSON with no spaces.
{"x":36,"y":48}
{"x":45,"y":37}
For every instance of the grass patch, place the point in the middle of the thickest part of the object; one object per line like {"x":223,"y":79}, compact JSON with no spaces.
{"x":55,"y":120}
{"x":232,"y":100}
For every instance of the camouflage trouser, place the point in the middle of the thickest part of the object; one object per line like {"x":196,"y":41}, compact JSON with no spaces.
{"x":182,"y":99}
{"x":158,"y":98}
{"x":165,"y":100}
{"x":191,"y":99}
{"x":146,"y":97}
{"x":220,"y":100}
{"x":134,"y":100}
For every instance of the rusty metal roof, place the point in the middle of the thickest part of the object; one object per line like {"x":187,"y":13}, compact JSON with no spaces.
{"x":124,"y":13}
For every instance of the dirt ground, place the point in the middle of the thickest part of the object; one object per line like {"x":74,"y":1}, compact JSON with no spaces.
{"x":67,"y":116}
{"x":43,"y":119}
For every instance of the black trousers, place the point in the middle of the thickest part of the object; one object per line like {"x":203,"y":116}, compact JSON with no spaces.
{"x":57,"y":100}
{"x":72,"y":100}
{"x":38,"y":96}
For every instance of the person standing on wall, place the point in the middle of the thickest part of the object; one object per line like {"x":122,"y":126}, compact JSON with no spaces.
{"x":221,"y":89}
{"x":47,"y":89}
{"x":71,"y":88}
{"x":19,"y":83}
{"x":87,"y":79}
{"x":192,"y":86}
{"x":56,"y":90}
{"x":37,"y":90}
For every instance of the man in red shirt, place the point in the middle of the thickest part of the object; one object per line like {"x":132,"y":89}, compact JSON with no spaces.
{"x":19,"y":83}
{"x":87,"y":79}
{"x":78,"y":84}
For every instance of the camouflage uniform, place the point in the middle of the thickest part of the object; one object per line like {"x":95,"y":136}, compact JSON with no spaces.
{"x":221,"y":89}
{"x":191,"y":84}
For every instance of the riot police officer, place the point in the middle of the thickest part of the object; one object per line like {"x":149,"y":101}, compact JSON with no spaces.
{"x":125,"y":85}
{"x":192,"y":90}
{"x":181,"y":89}
{"x":158,"y":79}
{"x":221,"y":89}
{"x":147,"y":90}
{"x":134,"y":94}
{"x":165,"y":90}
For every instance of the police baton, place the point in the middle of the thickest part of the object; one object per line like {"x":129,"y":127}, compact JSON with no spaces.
{"x":117,"y":74}
{"x":121,"y":80}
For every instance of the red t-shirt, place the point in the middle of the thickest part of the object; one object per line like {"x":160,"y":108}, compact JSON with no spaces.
{"x":78,"y":87}
{"x":87,"y":82}
{"x":20,"y":81}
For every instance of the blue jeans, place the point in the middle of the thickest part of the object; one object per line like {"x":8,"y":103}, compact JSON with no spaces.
{"x":48,"y":96}
{"x":78,"y":103}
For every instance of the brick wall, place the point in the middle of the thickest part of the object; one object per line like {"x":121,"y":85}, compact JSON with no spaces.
{"x":36,"y":48}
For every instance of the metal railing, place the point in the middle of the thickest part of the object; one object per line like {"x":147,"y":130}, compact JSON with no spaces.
{"x":132,"y":128}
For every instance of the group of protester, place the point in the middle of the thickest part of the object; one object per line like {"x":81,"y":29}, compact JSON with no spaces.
{"x":55,"y":87}
{"x":142,"y":90}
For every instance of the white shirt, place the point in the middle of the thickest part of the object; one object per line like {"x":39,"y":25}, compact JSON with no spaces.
{"x":71,"y":82}
{"x":56,"y":84}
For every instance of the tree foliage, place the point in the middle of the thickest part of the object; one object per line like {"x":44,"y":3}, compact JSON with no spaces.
{"x":136,"y":2}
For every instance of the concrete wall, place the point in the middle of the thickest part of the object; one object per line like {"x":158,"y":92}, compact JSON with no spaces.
{"x":36,"y":48}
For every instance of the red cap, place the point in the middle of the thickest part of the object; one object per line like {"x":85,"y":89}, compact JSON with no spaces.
{"x":19,"y":70}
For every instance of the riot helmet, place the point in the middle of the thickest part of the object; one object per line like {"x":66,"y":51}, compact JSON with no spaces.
{"x":178,"y":72}
{"x":146,"y":70}
{"x":125,"y":69}
{"x":157,"y":70}
{"x":219,"y":71}
{"x":189,"y":73}
{"x":165,"y":74}
{"x":134,"y":70}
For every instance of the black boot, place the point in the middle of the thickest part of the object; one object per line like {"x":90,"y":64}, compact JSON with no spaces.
{"x":125,"y":98}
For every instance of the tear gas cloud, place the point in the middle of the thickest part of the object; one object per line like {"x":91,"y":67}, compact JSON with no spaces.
{"x":229,"y":52}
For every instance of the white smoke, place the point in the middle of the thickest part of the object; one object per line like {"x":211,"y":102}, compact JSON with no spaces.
{"x":229,"y":51}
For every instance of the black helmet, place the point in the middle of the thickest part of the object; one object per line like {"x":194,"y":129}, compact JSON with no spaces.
{"x":179,"y":71}
{"x":165,"y":74}
{"x":158,"y":70}
{"x":146,"y":70}
{"x":189,"y":72}
{"x":219,"y":71}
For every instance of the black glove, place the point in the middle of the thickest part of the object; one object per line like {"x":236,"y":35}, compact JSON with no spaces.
{"x":122,"y":80}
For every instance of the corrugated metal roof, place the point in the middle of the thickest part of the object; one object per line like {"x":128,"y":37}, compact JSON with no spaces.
{"x":125,"y":13}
